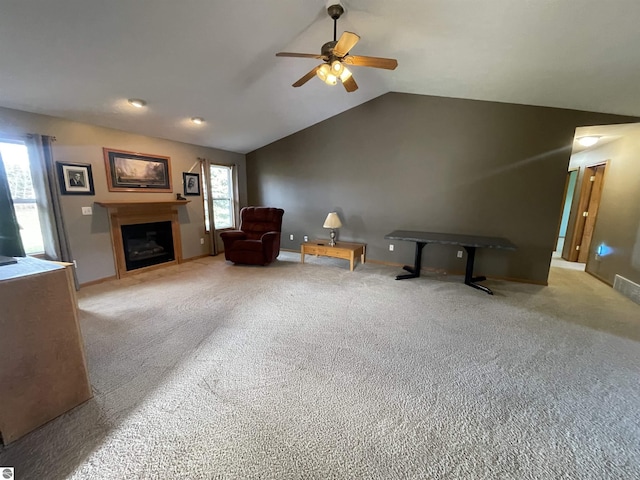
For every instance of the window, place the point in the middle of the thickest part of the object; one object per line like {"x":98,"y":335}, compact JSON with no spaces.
{"x":16,"y":163}
{"x":220,"y":179}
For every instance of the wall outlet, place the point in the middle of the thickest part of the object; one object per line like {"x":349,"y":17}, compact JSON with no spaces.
{"x":202,"y":241}
{"x":459,"y":253}
{"x":306,"y":238}
{"x":391,"y":247}
{"x":87,"y":211}
{"x":291,"y":237}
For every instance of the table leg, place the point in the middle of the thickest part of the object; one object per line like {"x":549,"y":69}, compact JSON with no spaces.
{"x":469,"y":279}
{"x":414,"y":271}
{"x":351,"y":259}
{"x":302,"y":256}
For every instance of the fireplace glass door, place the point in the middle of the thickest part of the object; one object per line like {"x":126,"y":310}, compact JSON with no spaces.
{"x":147,"y":244}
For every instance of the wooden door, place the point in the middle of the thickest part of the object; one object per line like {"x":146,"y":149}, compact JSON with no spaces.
{"x":588,"y":205}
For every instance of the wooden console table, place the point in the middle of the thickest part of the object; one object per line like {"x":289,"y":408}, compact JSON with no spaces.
{"x":345,"y":250}
{"x":43,"y":371}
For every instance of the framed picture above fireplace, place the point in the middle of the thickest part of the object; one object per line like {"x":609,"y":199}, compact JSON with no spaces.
{"x":75,"y":178}
{"x":137,"y":172}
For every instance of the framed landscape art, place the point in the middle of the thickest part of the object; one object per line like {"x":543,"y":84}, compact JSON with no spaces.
{"x":137,"y":172}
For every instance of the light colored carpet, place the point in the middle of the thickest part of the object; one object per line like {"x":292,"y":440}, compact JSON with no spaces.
{"x":209,"y":370}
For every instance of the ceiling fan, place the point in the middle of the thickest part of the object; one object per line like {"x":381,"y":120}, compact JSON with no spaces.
{"x":336,"y":56}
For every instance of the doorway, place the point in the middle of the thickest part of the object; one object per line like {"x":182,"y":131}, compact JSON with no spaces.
{"x":586,"y":213}
{"x":569,"y":190}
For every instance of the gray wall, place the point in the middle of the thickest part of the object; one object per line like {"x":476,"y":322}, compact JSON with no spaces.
{"x":416,"y":162}
{"x":618,"y":221}
{"x":77,"y":142}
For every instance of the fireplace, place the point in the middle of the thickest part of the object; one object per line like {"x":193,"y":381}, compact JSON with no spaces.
{"x":144,"y":235}
{"x":147,"y":244}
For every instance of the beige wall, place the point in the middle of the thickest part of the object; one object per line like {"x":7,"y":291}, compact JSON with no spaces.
{"x":416,"y":162}
{"x":618,"y":222}
{"x":82,"y":143}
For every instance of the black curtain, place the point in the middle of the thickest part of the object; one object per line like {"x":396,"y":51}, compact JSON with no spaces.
{"x":10,"y":241}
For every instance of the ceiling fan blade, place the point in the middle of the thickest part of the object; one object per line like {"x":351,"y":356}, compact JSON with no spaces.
{"x":350,"y":84}
{"x":345,"y":43}
{"x":300,"y":55}
{"x":307,"y":77}
{"x":375,"y":62}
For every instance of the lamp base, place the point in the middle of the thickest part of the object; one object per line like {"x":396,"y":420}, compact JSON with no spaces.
{"x":332,"y":242}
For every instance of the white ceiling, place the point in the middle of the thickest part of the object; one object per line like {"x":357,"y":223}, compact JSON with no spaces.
{"x":81,"y":60}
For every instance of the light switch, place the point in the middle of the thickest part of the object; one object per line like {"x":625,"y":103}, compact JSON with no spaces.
{"x":87,"y":211}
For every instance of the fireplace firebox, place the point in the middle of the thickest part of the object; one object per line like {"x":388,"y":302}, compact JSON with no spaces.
{"x":147,"y":244}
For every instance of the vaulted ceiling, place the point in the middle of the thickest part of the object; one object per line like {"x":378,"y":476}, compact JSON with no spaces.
{"x":82,"y":59}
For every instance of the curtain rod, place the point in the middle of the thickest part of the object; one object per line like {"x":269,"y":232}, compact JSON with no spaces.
{"x":222,"y":164}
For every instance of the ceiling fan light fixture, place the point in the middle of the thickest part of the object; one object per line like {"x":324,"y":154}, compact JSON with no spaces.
{"x":337,"y":67}
{"x":345,"y":75}
{"x":331,"y":79}
{"x":336,"y":54}
{"x":323,"y":72}
{"x":588,"y":141}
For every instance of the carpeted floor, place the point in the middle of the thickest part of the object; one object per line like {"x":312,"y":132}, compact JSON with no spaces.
{"x":209,"y":370}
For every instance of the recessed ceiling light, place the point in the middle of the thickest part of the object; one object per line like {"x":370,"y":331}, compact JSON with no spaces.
{"x":588,"y":141}
{"x":136,"y":102}
{"x":197,"y":120}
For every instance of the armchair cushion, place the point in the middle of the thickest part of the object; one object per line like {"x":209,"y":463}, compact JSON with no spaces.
{"x":257,"y":242}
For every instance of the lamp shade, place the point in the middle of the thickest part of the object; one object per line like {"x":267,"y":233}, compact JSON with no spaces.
{"x":332,"y":221}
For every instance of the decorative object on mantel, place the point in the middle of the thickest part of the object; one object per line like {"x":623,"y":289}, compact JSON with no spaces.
{"x":75,"y":178}
{"x":179,"y":196}
{"x":191,"y":183}
{"x":137,"y":172}
{"x":333,"y":222}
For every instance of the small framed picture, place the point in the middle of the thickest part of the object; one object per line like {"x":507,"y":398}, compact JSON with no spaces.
{"x":191,"y":182}
{"x":75,"y":178}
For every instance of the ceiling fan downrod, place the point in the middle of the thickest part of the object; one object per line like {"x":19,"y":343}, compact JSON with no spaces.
{"x":335,"y":11}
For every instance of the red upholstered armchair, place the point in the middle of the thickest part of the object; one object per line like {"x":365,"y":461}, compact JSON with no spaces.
{"x":258,"y":240}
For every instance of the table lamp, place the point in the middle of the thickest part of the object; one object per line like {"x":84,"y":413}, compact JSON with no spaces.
{"x":332,"y":221}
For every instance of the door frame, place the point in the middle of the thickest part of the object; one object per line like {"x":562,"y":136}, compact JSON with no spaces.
{"x":583,"y":206}
{"x":564,"y":201}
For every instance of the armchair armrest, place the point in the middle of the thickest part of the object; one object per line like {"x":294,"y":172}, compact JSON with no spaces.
{"x":270,"y":237}
{"x":233,"y":235}
{"x":271,"y":245}
{"x":230,"y":236}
